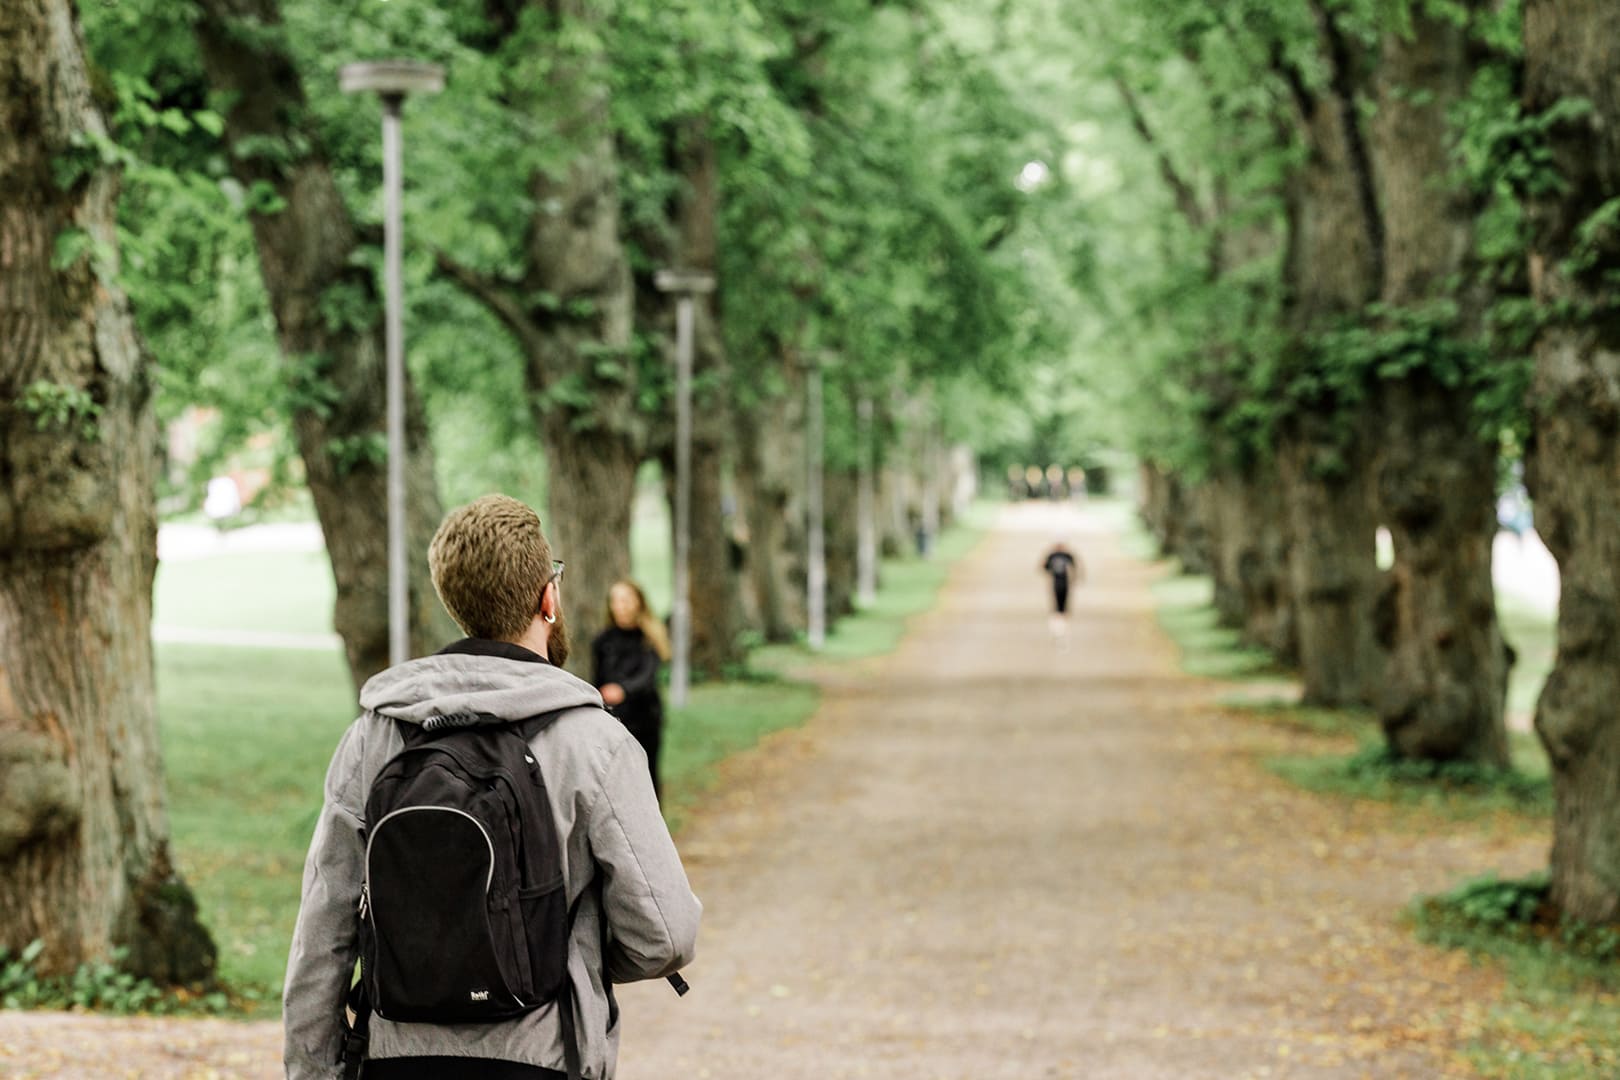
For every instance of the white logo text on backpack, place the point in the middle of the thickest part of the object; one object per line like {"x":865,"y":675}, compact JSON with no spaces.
{"x":480,"y":995}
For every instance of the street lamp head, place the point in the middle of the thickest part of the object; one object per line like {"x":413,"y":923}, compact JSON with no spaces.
{"x":391,"y":78}
{"x":684,"y":281}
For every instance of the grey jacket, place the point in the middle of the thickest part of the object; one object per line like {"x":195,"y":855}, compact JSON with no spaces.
{"x":606,"y":814}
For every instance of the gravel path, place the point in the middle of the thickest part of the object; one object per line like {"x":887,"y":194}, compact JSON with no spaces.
{"x":990,"y":856}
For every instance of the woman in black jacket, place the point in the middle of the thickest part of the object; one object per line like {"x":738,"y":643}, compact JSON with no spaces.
{"x":625,"y":660}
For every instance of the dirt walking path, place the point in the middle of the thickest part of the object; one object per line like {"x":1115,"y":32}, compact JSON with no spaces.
{"x":991,"y":856}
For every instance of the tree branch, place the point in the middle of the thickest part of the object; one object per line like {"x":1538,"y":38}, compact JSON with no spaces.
{"x":1186,"y":198}
{"x":1344,"y":83}
{"x":1276,"y":59}
{"x":494,"y":294}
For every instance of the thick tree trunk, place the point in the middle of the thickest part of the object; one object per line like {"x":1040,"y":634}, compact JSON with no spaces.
{"x":334,"y":368}
{"x":714,"y":595}
{"x":1266,"y":570}
{"x":892,"y":541}
{"x":1570,"y":53}
{"x":1249,"y":556}
{"x":1230,"y":537}
{"x":840,"y":489}
{"x":1189,"y":531}
{"x":1333,"y":270}
{"x":572,"y":313}
{"x":591,"y":488}
{"x":770,"y":469}
{"x":1443,"y":694}
{"x":84,"y":836}
{"x":1333,"y":564}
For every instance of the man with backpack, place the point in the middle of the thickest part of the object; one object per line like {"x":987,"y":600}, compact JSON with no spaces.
{"x":490,"y":848}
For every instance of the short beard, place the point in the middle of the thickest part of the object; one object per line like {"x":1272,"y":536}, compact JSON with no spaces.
{"x":557,"y":644}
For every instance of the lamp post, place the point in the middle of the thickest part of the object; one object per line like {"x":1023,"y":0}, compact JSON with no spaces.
{"x":686,"y":285}
{"x":391,"y":81}
{"x":816,"y":576}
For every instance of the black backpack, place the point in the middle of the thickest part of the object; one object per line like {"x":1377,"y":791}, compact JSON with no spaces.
{"x":463,"y":913}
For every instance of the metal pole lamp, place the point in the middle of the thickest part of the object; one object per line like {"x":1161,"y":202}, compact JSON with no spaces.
{"x":392,"y":80}
{"x":686,"y":285}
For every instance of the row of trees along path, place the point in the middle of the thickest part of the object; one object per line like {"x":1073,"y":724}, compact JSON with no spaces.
{"x":1414,"y":296}
{"x":990,"y":857}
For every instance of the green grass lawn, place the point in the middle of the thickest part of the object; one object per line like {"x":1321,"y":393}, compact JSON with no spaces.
{"x":1560,"y":1007}
{"x":1187,"y":613}
{"x":248,"y":732}
{"x":908,"y":586}
{"x":284,"y":592}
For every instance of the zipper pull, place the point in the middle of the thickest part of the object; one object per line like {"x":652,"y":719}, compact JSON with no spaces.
{"x":365,"y":900}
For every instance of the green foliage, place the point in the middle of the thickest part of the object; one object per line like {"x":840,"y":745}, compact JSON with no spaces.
{"x":352,"y":452}
{"x":1558,"y":1014}
{"x":1459,"y":788}
{"x":1187,"y":613}
{"x":99,"y":987}
{"x":1492,"y":903}
{"x":57,"y":407}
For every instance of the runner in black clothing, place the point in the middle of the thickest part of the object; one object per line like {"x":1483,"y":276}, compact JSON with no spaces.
{"x":1062,"y":565}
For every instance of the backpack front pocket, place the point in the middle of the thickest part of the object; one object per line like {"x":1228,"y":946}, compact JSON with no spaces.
{"x":435,"y":955}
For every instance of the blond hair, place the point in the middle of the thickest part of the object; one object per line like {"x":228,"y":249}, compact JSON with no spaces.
{"x":490,"y":561}
{"x":648,"y":623}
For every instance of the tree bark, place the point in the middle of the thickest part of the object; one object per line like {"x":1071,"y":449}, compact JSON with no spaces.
{"x":1230,"y":536}
{"x":1443,"y":694}
{"x":840,"y":492}
{"x":84,"y":835}
{"x":571,"y":312}
{"x":715,"y":600}
{"x":335,"y":367}
{"x":1335,"y":579}
{"x":1575,"y":455}
{"x":1266,"y":569}
{"x":1333,"y":270}
{"x":1190,"y":531}
{"x":770,"y":467}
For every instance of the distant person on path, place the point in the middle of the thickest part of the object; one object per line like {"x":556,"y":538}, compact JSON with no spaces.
{"x":478,"y":962}
{"x":625,"y":659}
{"x":1064,"y":569}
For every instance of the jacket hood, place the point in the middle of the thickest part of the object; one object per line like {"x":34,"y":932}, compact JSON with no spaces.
{"x":492,"y":688}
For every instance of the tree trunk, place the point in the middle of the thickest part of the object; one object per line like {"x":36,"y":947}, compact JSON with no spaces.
{"x":1151,"y":499}
{"x":892,"y":509}
{"x":1231,"y":536}
{"x":572,"y":312}
{"x":1334,"y":565}
{"x":1570,"y":53}
{"x":1266,"y":570}
{"x":1443,"y":694}
{"x":591,"y":489}
{"x":1189,"y":531}
{"x":843,"y":542}
{"x":769,"y":469}
{"x":335,"y":369}
{"x":714,"y":580}
{"x":84,"y":835}
{"x":1333,"y":271}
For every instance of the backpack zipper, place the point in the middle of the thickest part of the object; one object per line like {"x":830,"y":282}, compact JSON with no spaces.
{"x":489,"y":878}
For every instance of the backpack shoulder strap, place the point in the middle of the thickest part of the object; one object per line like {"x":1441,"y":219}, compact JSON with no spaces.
{"x":528,"y":728}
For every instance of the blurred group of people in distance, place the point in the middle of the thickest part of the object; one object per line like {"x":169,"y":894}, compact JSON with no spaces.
{"x":1052,"y":482}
